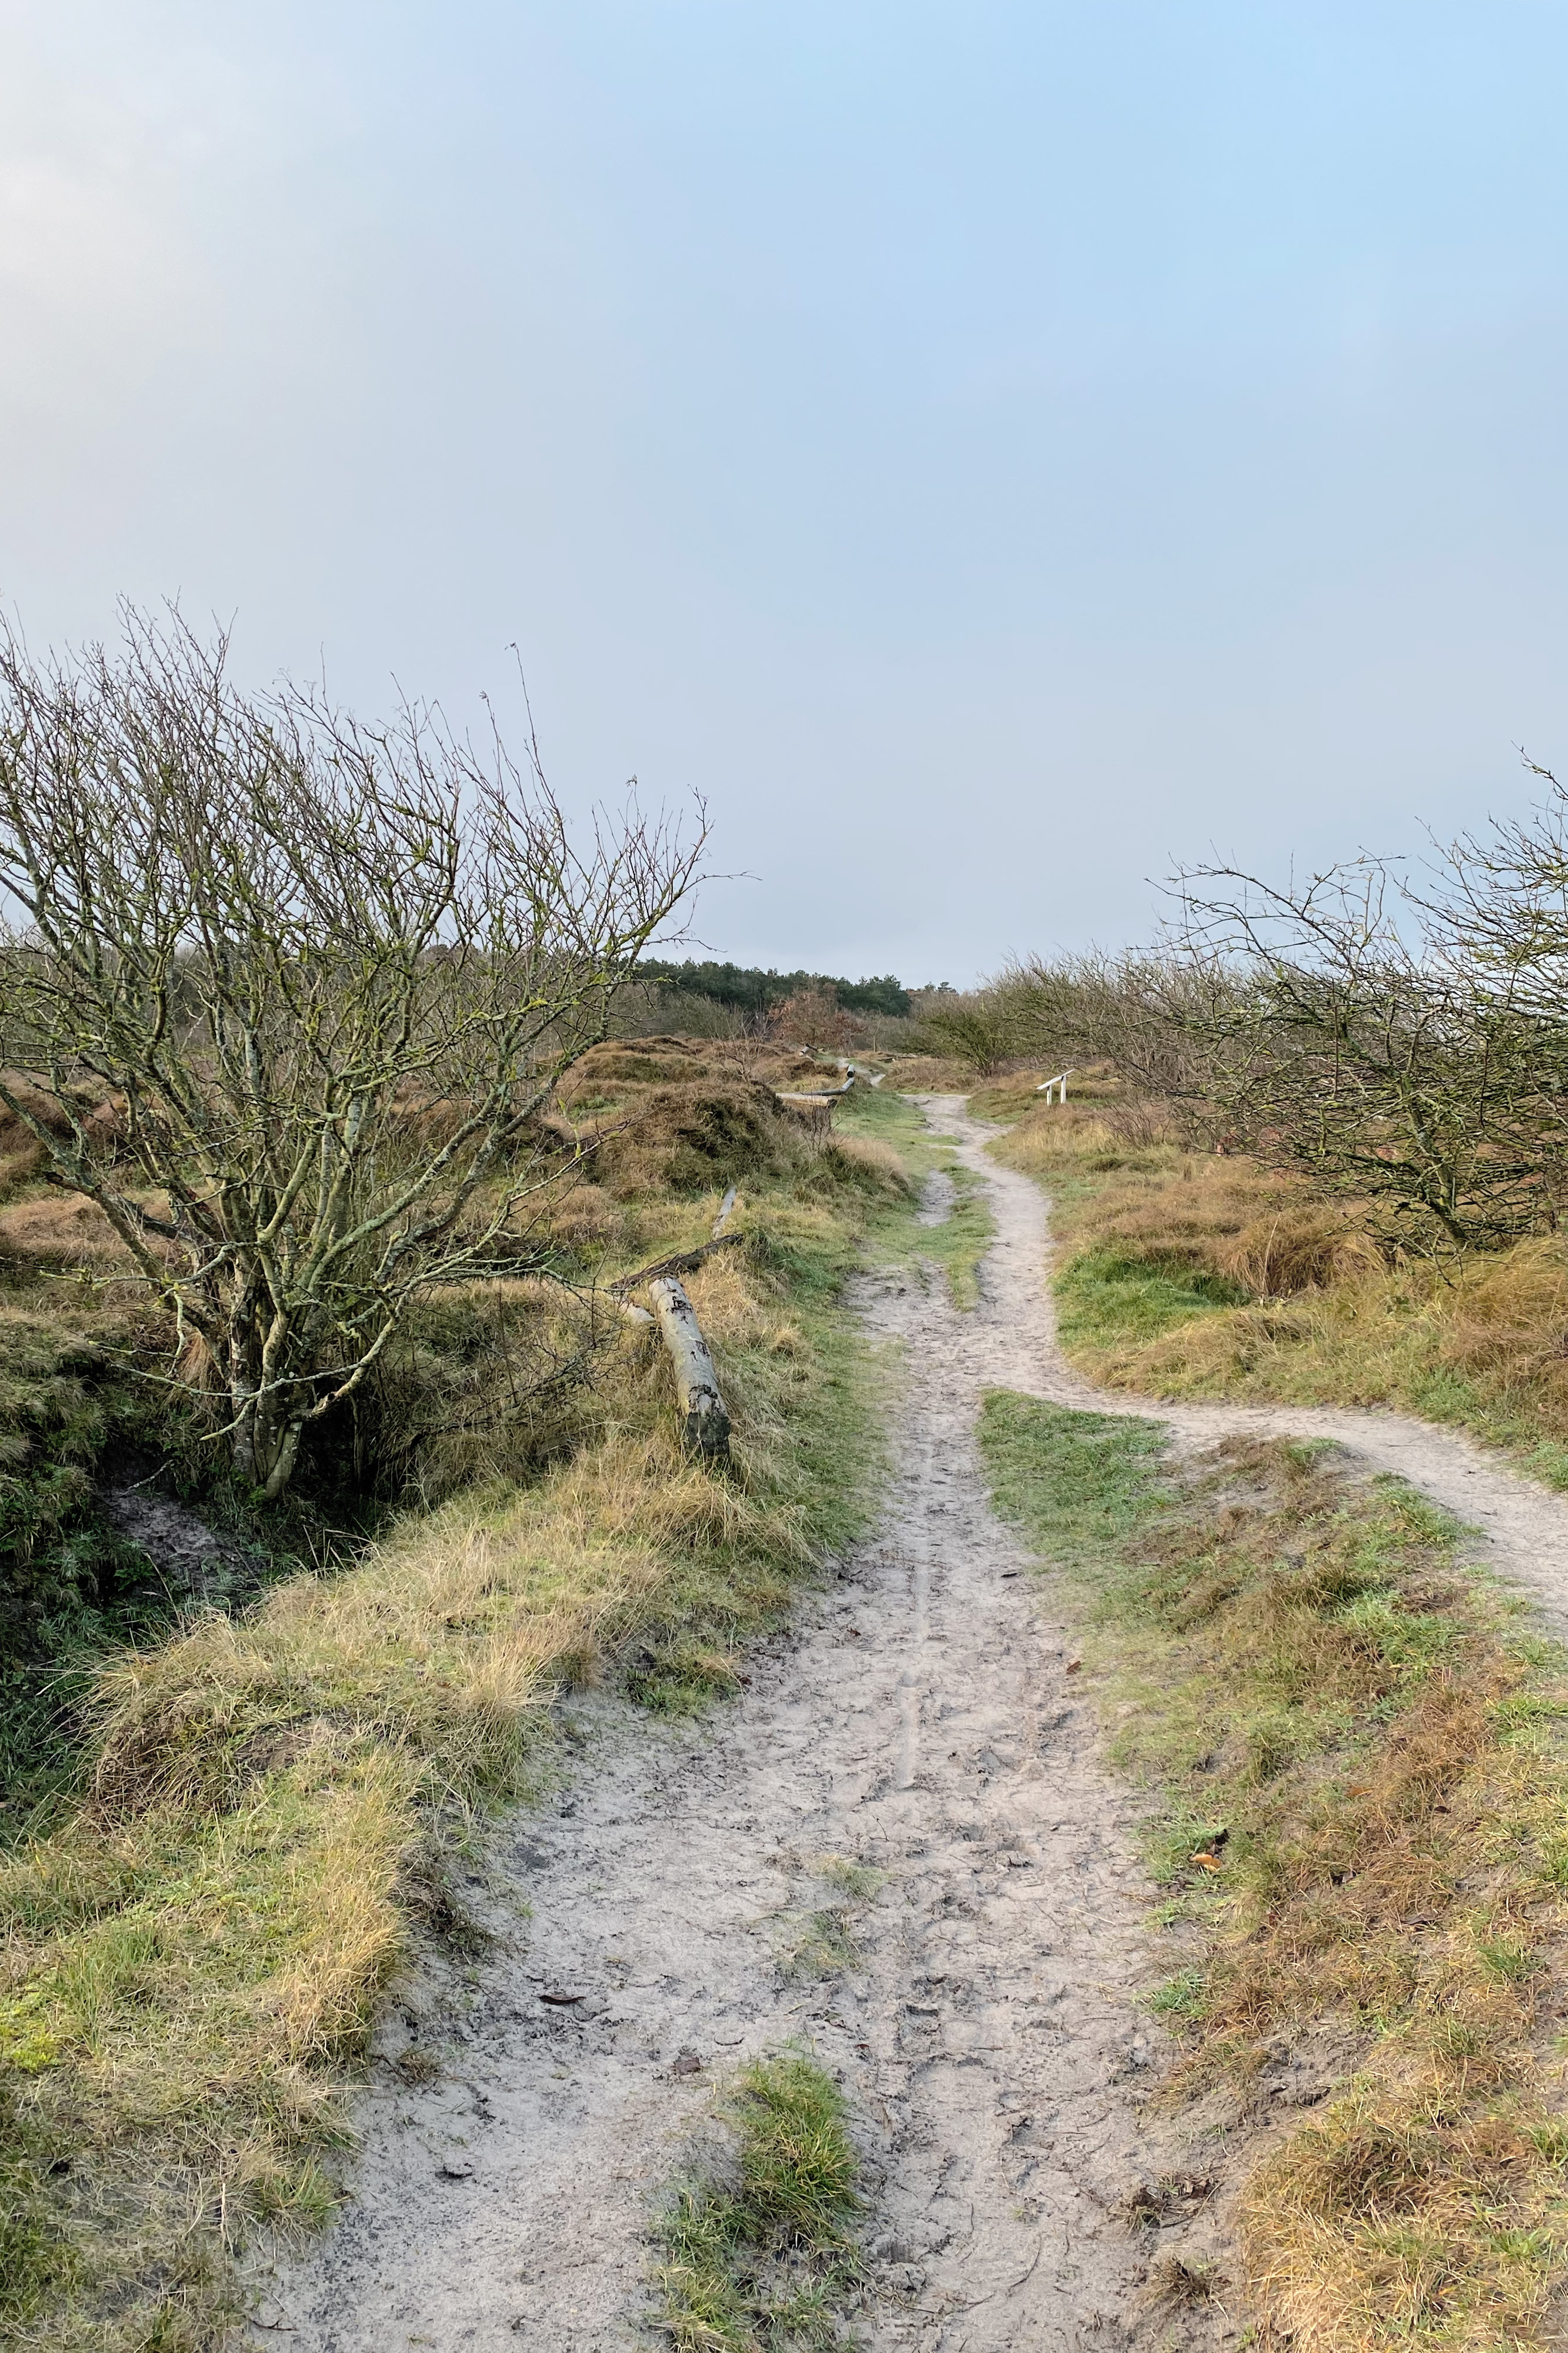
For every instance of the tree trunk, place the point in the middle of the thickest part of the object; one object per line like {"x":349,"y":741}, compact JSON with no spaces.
{"x":266,"y":1443}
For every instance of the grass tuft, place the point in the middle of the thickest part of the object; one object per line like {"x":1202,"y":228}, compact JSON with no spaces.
{"x":762,"y":2254}
{"x":824,"y":1944}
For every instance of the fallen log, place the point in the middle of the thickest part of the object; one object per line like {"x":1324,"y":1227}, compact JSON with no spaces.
{"x":705,"y":1418}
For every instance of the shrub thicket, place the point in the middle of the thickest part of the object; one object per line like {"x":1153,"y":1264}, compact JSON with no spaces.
{"x":1400,"y":1042}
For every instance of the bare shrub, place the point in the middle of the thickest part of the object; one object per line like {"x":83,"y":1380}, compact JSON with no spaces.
{"x":1142,"y":1123}
{"x":1341,"y":1038}
{"x":1135,"y":1011}
{"x":263,"y":928}
{"x":813,"y":1018}
{"x":975,"y":1030}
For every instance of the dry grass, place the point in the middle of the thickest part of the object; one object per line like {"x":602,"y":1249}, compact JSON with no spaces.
{"x":194,"y":1961}
{"x":56,"y":1231}
{"x":1364,"y":1845}
{"x":193,"y":1956}
{"x":1188,"y":1275}
{"x":873,"y":1164}
{"x":928,"y":1074}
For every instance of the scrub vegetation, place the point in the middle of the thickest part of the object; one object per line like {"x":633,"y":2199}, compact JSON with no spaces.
{"x":1313,"y":1149}
{"x":1358,"y":1765}
{"x":1183,"y":1272}
{"x":266,"y":1669}
{"x":263,"y":1802}
{"x":340,"y":1119}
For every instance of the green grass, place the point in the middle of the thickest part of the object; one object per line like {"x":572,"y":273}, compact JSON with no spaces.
{"x":959,"y":1242}
{"x":760,"y":2253}
{"x":1077,"y":1484}
{"x":1106,"y":1301}
{"x":1357,"y":1770}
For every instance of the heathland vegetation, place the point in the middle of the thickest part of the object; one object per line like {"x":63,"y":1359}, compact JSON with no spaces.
{"x":1313,"y":1144}
{"x":1359,"y":1829}
{"x":1311,"y":1152}
{"x":328,"y":1453}
{"x":343,"y":1115}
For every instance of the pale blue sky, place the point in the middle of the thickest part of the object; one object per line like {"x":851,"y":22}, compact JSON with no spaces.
{"x":988,"y":450}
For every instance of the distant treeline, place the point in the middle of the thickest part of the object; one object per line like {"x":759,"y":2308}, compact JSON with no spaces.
{"x":749,"y":990}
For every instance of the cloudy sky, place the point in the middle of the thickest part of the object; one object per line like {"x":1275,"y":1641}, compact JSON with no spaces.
{"x":989,"y":450}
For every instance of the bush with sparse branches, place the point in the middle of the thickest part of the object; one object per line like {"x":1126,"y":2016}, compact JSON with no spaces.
{"x":259,"y":927}
{"x":813,"y":1018}
{"x":1349,"y":1033}
{"x":1136,"y":1009}
{"x":974,"y":1027}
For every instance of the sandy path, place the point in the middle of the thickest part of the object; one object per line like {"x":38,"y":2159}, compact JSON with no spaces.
{"x":1523,"y":1527}
{"x":919,"y":1717}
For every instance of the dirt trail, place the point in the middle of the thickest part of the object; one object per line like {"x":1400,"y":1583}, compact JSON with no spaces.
{"x":1523,"y":1528}
{"x":919,"y":1718}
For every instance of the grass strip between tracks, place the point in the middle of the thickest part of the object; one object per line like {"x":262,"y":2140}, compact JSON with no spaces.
{"x":959,"y":1242}
{"x":759,"y":2251}
{"x":1359,"y":1763}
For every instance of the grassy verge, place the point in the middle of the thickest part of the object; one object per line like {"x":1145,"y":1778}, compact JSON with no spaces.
{"x":195,"y":1950}
{"x":760,"y":2251}
{"x":1360,"y":1826}
{"x":1187,"y":1275}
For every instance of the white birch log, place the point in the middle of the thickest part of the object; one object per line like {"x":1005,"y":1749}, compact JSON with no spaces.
{"x":704,"y":1415}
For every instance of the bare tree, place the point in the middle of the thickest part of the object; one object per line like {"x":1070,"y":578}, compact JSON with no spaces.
{"x":974,"y":1027}
{"x":262,"y":928}
{"x":1502,"y":899}
{"x":814,"y":1018}
{"x":1136,"y":1009}
{"x":1347,"y":1030}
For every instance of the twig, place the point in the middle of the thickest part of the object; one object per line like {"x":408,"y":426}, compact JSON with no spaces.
{"x":682,"y":1263}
